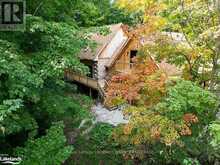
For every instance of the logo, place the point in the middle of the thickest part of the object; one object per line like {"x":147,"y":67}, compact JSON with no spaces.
{"x":12,"y":15}
{"x":5,"y":159}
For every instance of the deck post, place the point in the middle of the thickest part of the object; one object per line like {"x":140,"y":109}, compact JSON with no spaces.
{"x":90,"y":92}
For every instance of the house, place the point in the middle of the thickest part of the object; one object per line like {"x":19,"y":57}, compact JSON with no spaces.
{"x":113,"y":54}
{"x":104,"y":60}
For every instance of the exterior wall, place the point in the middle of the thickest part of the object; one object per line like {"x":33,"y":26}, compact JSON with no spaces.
{"x":101,"y":68}
{"x":122,"y":64}
{"x":109,"y":51}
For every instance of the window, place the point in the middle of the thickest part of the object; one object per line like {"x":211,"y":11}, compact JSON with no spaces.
{"x":133,"y":54}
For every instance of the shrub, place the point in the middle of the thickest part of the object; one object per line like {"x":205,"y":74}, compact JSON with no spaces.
{"x":47,"y":150}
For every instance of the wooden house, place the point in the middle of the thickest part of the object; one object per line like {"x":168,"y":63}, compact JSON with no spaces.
{"x":113,"y":54}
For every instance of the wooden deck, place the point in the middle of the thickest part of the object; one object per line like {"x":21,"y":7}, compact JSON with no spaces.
{"x":90,"y":82}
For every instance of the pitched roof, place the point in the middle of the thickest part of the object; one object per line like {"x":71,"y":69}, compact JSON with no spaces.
{"x":174,"y":37}
{"x":101,"y":40}
{"x":117,"y":53}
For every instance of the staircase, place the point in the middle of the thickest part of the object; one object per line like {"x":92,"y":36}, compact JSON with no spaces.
{"x":102,"y":85}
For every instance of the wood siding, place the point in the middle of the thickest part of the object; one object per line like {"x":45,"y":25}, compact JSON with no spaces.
{"x":122,"y":63}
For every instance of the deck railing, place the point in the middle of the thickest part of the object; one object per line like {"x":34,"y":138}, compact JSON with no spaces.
{"x":90,"y":82}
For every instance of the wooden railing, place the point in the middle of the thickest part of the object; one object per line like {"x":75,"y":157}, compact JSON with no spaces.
{"x":90,"y":82}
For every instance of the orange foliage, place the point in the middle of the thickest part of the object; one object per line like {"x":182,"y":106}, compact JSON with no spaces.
{"x":129,"y":86}
{"x":185,"y":130}
{"x":190,"y":118}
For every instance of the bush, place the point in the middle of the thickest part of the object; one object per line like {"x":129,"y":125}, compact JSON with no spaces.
{"x":47,"y":150}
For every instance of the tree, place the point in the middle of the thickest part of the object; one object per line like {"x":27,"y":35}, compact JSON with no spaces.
{"x":31,"y":62}
{"x":47,"y":150}
{"x":126,"y":87}
{"x":26,"y":69}
{"x":83,"y":13}
{"x":197,"y":53}
{"x":173,"y":124}
{"x":33,"y":93}
{"x":176,"y":113}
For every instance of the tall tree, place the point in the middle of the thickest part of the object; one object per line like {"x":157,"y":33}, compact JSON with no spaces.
{"x":80,"y":12}
{"x":197,"y":21}
{"x":33,"y":62}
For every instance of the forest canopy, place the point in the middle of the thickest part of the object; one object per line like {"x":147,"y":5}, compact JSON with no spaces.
{"x":172,"y":120}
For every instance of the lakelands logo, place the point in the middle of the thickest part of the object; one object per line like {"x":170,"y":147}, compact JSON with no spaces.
{"x":6,"y":159}
{"x":12,"y":15}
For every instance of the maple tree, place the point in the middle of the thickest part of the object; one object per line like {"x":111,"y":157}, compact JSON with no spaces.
{"x":129,"y":87}
{"x":153,"y":101}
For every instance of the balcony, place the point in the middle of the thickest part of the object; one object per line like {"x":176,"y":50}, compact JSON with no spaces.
{"x":90,"y":82}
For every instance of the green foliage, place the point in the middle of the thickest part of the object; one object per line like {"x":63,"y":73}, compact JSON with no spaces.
{"x":33,"y":94}
{"x":61,"y":103}
{"x":32,"y":64}
{"x":51,"y":10}
{"x":199,"y":22}
{"x":215,"y":133}
{"x":52,"y":49}
{"x":47,"y":49}
{"x":47,"y":150}
{"x":31,"y":58}
{"x":97,"y":147}
{"x":8,"y":107}
{"x":20,"y":121}
{"x":56,"y":104}
{"x":186,"y":97}
{"x":190,"y":161}
{"x":117,"y":101}
{"x":214,"y":141}
{"x":79,"y":12}
{"x":15,"y":75}
{"x":174,"y":124}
